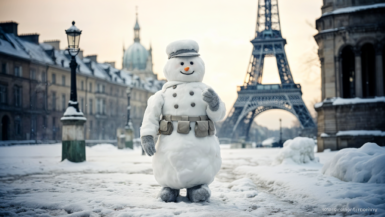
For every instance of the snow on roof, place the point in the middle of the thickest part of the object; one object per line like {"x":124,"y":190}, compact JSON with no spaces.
{"x":35,"y":51}
{"x":46,"y":46}
{"x":345,"y":101}
{"x":361,"y":133}
{"x":7,"y":48}
{"x":354,"y":9}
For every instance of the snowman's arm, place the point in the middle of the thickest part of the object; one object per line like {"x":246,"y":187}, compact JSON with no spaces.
{"x":219,"y":114}
{"x":150,"y":124}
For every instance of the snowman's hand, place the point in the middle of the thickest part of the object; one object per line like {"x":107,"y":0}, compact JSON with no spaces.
{"x":148,"y":145}
{"x":211,"y":98}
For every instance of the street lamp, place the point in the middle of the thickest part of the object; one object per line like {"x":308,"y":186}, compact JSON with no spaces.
{"x":129,"y":128}
{"x":73,"y":37}
{"x":73,"y":140}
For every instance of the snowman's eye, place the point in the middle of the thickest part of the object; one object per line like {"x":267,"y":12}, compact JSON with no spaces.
{"x":192,"y":63}
{"x":182,"y":63}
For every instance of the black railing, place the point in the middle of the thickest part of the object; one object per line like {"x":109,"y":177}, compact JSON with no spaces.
{"x":269,"y":87}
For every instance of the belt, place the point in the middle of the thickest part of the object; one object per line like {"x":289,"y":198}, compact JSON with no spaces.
{"x":184,"y":118}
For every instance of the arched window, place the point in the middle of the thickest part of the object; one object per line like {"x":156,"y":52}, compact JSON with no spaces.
{"x":348,"y":73}
{"x":368,"y":70}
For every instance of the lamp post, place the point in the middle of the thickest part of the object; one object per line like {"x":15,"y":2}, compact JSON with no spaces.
{"x":129,"y":128}
{"x":73,"y":140}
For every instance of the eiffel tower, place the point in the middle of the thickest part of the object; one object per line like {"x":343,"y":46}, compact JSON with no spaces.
{"x":255,"y":97}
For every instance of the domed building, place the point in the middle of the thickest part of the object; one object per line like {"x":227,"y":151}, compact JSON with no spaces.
{"x":136,"y":58}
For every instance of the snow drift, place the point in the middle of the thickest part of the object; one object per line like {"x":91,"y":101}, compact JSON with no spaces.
{"x":364,"y":165}
{"x":299,"y":150}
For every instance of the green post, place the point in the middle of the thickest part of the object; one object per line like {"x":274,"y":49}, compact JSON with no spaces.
{"x":73,"y":141}
{"x":129,"y":137}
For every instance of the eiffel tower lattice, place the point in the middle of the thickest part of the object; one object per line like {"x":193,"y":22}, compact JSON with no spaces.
{"x":255,"y":97}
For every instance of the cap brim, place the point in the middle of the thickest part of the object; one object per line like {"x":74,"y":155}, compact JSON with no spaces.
{"x":190,"y":54}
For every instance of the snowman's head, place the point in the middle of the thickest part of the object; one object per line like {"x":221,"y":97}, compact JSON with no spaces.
{"x":184,"y":63}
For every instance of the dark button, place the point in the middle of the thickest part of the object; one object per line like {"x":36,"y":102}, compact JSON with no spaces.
{"x":192,"y":104}
{"x":174,"y":86}
{"x":174,"y":95}
{"x":191,"y":93}
{"x":176,"y":106}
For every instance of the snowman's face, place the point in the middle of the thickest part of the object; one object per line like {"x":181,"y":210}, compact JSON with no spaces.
{"x":184,"y":69}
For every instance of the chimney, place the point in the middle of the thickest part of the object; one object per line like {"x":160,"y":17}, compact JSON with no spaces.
{"x":9,"y":27}
{"x":32,"y":37}
{"x":111,"y":64}
{"x":54,"y":43}
{"x":80,"y":55}
{"x":92,"y":57}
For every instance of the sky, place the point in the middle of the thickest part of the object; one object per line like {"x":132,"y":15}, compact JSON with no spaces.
{"x":222,"y":28}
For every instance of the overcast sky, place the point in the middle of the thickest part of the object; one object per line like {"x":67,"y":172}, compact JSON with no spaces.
{"x":222,"y":28}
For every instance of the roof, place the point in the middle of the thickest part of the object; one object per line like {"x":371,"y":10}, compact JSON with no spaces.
{"x":47,"y":55}
{"x":135,"y":57}
{"x":354,"y":9}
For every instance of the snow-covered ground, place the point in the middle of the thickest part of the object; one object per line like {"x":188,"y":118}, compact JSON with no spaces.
{"x":33,"y":182}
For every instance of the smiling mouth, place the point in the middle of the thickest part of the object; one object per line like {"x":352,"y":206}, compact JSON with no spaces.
{"x":187,"y":73}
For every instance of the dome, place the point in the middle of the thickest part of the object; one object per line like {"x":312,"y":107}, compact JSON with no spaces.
{"x":135,"y":57}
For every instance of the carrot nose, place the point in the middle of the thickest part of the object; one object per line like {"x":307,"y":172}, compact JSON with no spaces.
{"x":186,"y":69}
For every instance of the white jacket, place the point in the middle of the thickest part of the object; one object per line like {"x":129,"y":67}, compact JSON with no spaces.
{"x":182,"y":160}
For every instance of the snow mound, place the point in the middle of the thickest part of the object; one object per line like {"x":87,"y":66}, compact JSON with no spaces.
{"x":363,"y":165}
{"x":299,"y":150}
{"x":244,"y":185}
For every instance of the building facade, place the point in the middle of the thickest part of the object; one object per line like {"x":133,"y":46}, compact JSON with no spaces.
{"x":35,"y":89}
{"x":351,"y":40}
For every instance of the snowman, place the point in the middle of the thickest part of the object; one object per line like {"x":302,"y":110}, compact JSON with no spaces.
{"x":187,"y":153}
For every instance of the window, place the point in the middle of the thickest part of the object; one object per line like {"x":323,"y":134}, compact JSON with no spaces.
{"x":53,"y":101}
{"x":90,"y":125}
{"x":98,"y":88}
{"x":44,"y":122}
{"x":32,"y":74}
{"x":44,"y":101}
{"x":3,"y":94}
{"x":53,"y":79}
{"x":90,"y":87}
{"x":103,"y":88}
{"x":63,"y":102}
{"x":63,"y":80}
{"x":18,"y":71}
{"x":53,"y":122}
{"x":104,"y":106}
{"x":82,"y":85}
{"x":82,"y":104}
{"x":4,"y":68}
{"x":90,"y":106}
{"x":17,"y":94}
{"x":98,"y":106}
{"x":18,"y":125}
{"x":43,"y":77}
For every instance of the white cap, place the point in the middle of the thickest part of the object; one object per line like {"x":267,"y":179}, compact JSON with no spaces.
{"x":182,"y":48}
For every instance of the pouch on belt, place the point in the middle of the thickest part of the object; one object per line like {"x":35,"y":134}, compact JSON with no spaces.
{"x":202,"y":128}
{"x":165,"y":127}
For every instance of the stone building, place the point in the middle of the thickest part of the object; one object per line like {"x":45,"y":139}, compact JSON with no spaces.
{"x":35,"y":88}
{"x":351,"y":40}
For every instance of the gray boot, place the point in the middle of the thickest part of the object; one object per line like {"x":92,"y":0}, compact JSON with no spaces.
{"x":168,"y":194}
{"x":198,"y":193}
